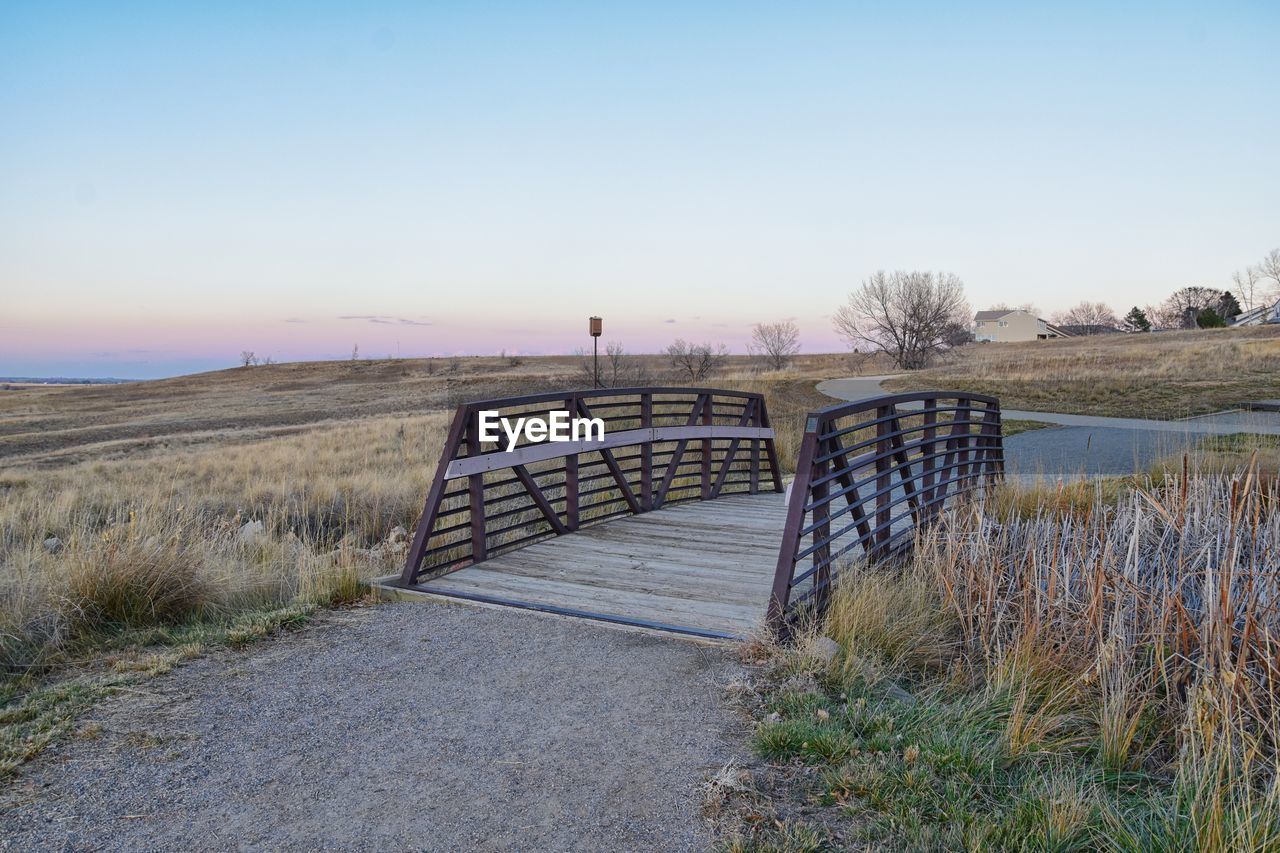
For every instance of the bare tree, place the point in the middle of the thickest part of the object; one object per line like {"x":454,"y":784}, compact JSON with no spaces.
{"x":355,"y":353}
{"x":1163,"y":316}
{"x":956,"y":334}
{"x":777,"y":342}
{"x":1029,"y":307}
{"x":903,"y":314}
{"x":247,"y":358}
{"x":618,"y":370}
{"x":1187,"y":304}
{"x":1269,"y":269}
{"x":1088,"y":318}
{"x":618,"y":362}
{"x":697,"y":361}
{"x":1246,"y":282}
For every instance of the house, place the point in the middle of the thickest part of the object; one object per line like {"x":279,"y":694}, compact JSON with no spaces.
{"x":1013,"y":324}
{"x":1259,"y":316}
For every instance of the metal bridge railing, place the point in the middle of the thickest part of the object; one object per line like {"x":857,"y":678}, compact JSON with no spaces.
{"x":868,"y":475}
{"x":661,"y":446}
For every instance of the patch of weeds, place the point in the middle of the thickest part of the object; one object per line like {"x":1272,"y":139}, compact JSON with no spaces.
{"x":152,"y":663}
{"x":939,"y":771}
{"x":34,"y":714}
{"x":145,"y":740}
{"x":31,"y":719}
{"x":237,"y":630}
{"x":783,"y":838}
{"x":1239,"y":442}
{"x":1013,"y":426}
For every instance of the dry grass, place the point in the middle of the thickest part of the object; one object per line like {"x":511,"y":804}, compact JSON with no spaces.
{"x":1087,"y":668}
{"x":1163,"y":375}
{"x":147,"y":489}
{"x":159,"y":540}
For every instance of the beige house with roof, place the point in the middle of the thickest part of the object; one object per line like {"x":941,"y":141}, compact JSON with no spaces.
{"x":1013,"y":324}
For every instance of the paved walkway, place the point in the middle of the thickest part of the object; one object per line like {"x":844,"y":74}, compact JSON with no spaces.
{"x":1088,"y":445}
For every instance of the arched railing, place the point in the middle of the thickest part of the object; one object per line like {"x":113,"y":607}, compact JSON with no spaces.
{"x":869,"y":474}
{"x":661,"y":446}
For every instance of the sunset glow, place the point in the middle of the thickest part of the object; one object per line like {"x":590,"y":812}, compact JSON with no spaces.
{"x":178,"y":185}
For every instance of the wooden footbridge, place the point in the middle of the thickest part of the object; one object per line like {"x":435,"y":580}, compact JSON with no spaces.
{"x":678,"y":519}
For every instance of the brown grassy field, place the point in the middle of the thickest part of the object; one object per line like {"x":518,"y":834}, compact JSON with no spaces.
{"x":123,"y":508}
{"x":329,"y":457}
{"x":1162,"y":375}
{"x":147,"y":489}
{"x":1084,"y":667}
{"x":52,"y":426}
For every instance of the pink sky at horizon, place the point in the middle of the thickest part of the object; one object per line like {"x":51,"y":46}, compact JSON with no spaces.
{"x":148,"y":342}
{"x":179,"y":181}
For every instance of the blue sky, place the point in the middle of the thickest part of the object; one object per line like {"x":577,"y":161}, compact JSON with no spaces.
{"x":181,"y":182}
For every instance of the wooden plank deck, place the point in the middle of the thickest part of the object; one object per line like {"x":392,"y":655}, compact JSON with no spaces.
{"x":703,"y":567}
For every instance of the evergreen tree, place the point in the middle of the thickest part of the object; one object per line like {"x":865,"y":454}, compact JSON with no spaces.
{"x":1210,"y":319}
{"x":1136,"y":321}
{"x":1228,"y":307}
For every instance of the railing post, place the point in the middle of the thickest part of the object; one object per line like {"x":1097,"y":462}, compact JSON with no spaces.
{"x":775,"y":615}
{"x":571,"y":507}
{"x":707,"y":420}
{"x":757,"y":420}
{"x":475,"y":490}
{"x":821,"y":530}
{"x":992,"y":466}
{"x":884,"y":496}
{"x":928,"y":449}
{"x":646,"y":453}
{"x":430,"y":509}
{"x":998,"y":439}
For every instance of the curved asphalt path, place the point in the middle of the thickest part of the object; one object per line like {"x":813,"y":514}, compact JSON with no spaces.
{"x":1087,"y":445}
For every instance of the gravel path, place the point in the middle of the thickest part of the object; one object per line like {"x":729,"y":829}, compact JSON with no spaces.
{"x":415,"y":726}
{"x":1086,"y":444}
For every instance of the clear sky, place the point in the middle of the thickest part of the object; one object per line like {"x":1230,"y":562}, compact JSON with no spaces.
{"x":181,"y":181}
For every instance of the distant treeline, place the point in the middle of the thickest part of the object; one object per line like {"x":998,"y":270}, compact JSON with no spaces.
{"x":62,"y":380}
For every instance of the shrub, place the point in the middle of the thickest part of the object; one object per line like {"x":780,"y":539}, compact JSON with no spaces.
{"x":128,"y":580}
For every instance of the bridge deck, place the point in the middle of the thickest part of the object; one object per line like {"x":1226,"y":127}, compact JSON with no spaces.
{"x":699,"y":567}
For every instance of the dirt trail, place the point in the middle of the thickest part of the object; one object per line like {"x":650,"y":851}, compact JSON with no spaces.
{"x":402,"y":726}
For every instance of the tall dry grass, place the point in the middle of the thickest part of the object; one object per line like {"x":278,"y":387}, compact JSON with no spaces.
{"x":155,"y":537}
{"x":1136,"y":635}
{"x":163,"y":539}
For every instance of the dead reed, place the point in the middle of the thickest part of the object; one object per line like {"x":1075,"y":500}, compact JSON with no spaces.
{"x":1091,"y":667}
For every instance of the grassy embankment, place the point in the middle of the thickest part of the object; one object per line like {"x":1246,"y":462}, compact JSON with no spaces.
{"x":1089,"y":667}
{"x":147,"y":489}
{"x":1163,"y":375}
